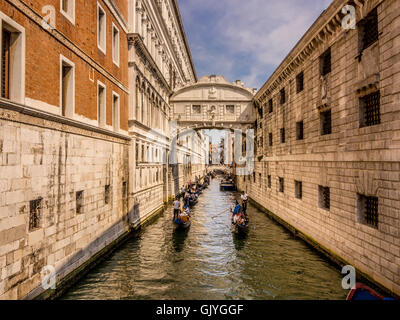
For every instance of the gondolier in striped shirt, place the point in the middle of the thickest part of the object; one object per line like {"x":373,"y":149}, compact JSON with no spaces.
{"x":245,"y":198}
{"x":177,"y":208}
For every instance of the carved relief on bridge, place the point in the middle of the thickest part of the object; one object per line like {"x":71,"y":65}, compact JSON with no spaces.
{"x":214,"y":102}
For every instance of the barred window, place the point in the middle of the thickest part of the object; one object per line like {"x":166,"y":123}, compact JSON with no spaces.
{"x":269,"y":182}
{"x":107,"y":194}
{"x":79,"y":202}
{"x":368,"y":30}
{"x":324,"y":197}
{"x":281,"y":185}
{"x":370,"y":106}
{"x":368,"y":210}
{"x":298,"y":189}
{"x":283,"y":135}
{"x":299,"y":130}
{"x":325,"y":62}
{"x":197,"y":109}
{"x":326,"y":122}
{"x":300,"y":82}
{"x":270,"y":106}
{"x":270,"y":139}
{"x":35,"y":214}
{"x":283,"y":96}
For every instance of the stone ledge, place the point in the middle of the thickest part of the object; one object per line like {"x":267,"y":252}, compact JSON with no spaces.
{"x":17,"y":112}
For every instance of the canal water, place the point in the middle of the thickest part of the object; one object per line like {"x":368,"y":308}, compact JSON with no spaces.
{"x":209,"y":262}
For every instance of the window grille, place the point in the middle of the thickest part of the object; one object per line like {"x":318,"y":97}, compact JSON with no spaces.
{"x":283,"y":96}
{"x":270,"y":139}
{"x":326,"y":66}
{"x":299,"y":130}
{"x":371,"y":109}
{"x":368,"y":27}
{"x":283,"y":135}
{"x":79,"y":202}
{"x":324,"y":196}
{"x":269,"y":182}
{"x":281,"y":185}
{"x":326,"y":122}
{"x":35,"y":213}
{"x":298,"y":189}
{"x":270,"y":106}
{"x":300,"y":82}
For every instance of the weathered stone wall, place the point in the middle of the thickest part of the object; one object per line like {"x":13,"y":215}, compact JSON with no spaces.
{"x":352,"y":160}
{"x":39,"y":162}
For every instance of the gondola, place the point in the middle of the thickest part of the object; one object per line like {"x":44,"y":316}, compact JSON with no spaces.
{"x":240,"y":229}
{"x":192,"y":202}
{"x":363,"y":292}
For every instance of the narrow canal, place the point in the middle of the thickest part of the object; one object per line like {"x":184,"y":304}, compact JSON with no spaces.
{"x":209,"y":262}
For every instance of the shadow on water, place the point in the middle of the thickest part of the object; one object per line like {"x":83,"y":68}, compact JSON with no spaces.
{"x":178,"y":239}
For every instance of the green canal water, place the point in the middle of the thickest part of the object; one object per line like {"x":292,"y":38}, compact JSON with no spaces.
{"x":209,"y":262}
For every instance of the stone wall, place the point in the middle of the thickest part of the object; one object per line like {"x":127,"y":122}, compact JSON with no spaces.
{"x":40,"y":162}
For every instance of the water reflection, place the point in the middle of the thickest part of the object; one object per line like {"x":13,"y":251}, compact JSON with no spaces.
{"x":208,"y":261}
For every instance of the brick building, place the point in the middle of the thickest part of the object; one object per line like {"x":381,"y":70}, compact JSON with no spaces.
{"x":70,"y":183}
{"x":327,"y":141}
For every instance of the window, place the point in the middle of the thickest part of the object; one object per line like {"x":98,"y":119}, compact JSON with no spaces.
{"x":368,"y":210}
{"x":300,"y":82}
{"x":35,"y":214}
{"x":326,"y":122}
{"x":115,"y":45}
{"x":79,"y":202}
{"x":370,"y":110}
{"x":107,"y":194}
{"x":197,"y":109}
{"x":12,"y":60}
{"x":5,"y":64}
{"x":324,"y":197}
{"x":259,"y":179}
{"x":283,"y":135}
{"x":283,"y":96}
{"x":230,"y":109}
{"x":124,"y":196}
{"x":101,"y":28}
{"x":270,"y":106}
{"x":281,"y":185}
{"x":298,"y":189}
{"x":67,"y":8}
{"x":325,"y":62}
{"x":270,"y":139}
{"x":269,"y":181}
{"x":368,"y":30}
{"x":299,"y":130}
{"x":101,"y":104}
{"x":67,"y":90}
{"x":116,"y":112}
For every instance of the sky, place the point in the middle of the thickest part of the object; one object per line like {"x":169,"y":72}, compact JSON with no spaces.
{"x":245,"y":39}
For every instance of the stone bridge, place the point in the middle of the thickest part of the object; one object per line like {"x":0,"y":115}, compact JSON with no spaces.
{"x":214,"y":103}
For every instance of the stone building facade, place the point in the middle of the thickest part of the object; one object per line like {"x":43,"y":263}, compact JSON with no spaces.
{"x":328,"y":139}
{"x":84,"y":129}
{"x":159,"y":63}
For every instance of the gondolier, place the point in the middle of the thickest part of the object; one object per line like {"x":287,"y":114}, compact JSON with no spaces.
{"x":245,"y":198}
{"x":177,"y":208}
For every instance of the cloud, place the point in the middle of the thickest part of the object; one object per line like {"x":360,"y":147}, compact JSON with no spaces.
{"x":245,"y":39}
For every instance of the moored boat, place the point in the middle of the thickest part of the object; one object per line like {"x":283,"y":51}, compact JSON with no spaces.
{"x":179,"y":224}
{"x":227,"y":185}
{"x":363,"y":292}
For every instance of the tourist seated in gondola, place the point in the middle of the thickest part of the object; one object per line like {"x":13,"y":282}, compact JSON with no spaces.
{"x":236,"y":209}
{"x":184,"y":217}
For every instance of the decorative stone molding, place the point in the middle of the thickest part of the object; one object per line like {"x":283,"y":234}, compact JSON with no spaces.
{"x":367,"y":183}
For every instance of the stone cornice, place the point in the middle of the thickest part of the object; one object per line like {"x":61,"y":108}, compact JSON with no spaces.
{"x":182,"y":29}
{"x":16,"y":112}
{"x":328,"y":25}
